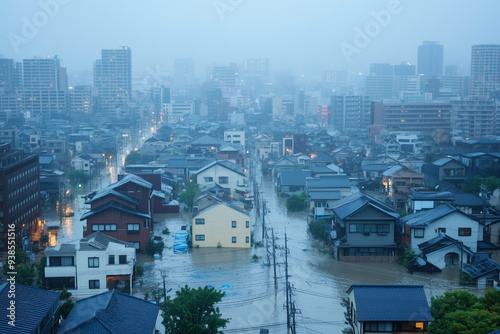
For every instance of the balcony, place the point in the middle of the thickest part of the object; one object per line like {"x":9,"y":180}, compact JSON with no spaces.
{"x":60,"y":271}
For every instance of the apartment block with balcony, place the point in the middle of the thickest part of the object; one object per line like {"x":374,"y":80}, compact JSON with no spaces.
{"x":96,"y":264}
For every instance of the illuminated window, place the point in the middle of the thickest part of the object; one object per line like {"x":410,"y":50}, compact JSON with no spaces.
{"x":419,"y":325}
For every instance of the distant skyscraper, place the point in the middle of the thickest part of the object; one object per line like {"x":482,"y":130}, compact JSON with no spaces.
{"x":44,"y":73}
{"x":113,"y":80}
{"x":44,"y":90}
{"x":430,"y":59}
{"x":484,"y":70}
{"x":225,"y":76}
{"x":9,"y":75}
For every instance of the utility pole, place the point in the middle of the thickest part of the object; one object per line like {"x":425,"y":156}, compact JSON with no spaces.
{"x":263,"y":218}
{"x":164,"y":274}
{"x":274,"y":262}
{"x":287,"y":286}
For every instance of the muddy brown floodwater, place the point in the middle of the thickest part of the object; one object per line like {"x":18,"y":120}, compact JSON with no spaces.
{"x":318,"y":282}
{"x":247,"y":276}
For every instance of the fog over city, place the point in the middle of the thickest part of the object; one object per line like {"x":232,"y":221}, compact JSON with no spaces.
{"x":301,"y":37}
{"x":322,"y":166}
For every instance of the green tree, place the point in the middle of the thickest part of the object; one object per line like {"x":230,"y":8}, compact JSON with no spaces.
{"x":40,"y":269}
{"x":473,"y":184}
{"x":461,"y":312}
{"x":317,"y":229}
{"x":192,"y":311}
{"x":25,"y":274}
{"x":187,"y":196}
{"x":296,"y":202}
{"x":133,"y":158}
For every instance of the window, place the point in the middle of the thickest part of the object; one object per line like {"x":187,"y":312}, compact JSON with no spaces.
{"x":111,"y":259}
{"x":359,"y":228}
{"x":247,"y":240}
{"x":247,"y":224}
{"x":199,"y":237}
{"x":199,"y":221}
{"x":223,"y":180}
{"x":93,"y":262}
{"x":442,"y":229}
{"x":61,"y":261}
{"x":233,"y":240}
{"x":378,"y":326}
{"x":233,"y":224}
{"x":418,"y":232}
{"x":383,"y":228}
{"x":94,"y":284}
{"x":209,"y":179}
{"x":133,"y":228}
{"x":104,"y":227}
{"x":464,"y":231}
{"x":122,"y":259}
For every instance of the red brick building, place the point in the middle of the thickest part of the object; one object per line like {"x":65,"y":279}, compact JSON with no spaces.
{"x":122,"y":211}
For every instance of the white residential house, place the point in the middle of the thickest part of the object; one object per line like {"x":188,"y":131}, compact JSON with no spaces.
{"x":221,"y":225}
{"x":225,"y":174}
{"x":96,"y":264}
{"x":84,"y":162}
{"x":444,"y":235}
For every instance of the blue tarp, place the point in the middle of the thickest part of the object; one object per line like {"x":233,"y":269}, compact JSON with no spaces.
{"x":180,"y":242}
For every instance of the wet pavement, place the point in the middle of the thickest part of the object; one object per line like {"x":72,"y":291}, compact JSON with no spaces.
{"x":247,"y":276}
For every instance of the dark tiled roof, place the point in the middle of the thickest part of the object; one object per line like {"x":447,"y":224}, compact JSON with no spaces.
{"x":111,"y":312}
{"x":111,"y":192}
{"x":466,"y":199}
{"x":329,"y":181}
{"x":132,"y":178}
{"x":440,"y":242}
{"x":349,"y":205}
{"x":294,"y":178}
{"x":391,"y":302}
{"x":114,"y":205}
{"x":32,"y":305}
{"x":426,"y":217}
{"x":320,"y":195}
{"x":481,"y":265}
{"x":206,"y":140}
{"x":431,"y":196}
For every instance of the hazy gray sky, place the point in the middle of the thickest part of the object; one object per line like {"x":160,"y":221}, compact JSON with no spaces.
{"x":304,"y":36}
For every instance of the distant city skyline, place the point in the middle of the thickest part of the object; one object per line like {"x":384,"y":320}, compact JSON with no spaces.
{"x":299,"y":37}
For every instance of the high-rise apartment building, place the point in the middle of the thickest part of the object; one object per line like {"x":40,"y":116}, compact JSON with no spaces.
{"x":430,"y":59}
{"x":19,"y":194}
{"x":350,"y":112}
{"x":9,"y":75}
{"x":484,"y":70}
{"x":113,"y":80}
{"x":474,"y":117}
{"x":44,"y":74}
{"x":44,"y":88}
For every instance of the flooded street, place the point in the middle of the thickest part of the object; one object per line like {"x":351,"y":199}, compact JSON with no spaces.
{"x":318,"y":282}
{"x":247,"y":276}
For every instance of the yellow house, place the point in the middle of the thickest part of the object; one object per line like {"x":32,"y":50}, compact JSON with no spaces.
{"x":221,"y":225}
